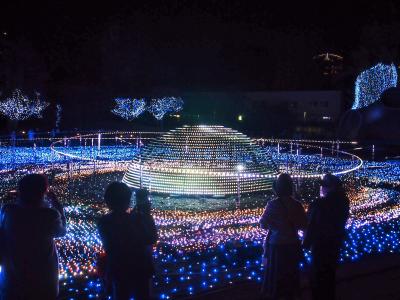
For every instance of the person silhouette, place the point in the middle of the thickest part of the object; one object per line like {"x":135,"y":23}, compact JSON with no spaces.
{"x":28,"y":253}
{"x":283,"y":217}
{"x":144,"y":220}
{"x":127,"y":239}
{"x":325,"y":234}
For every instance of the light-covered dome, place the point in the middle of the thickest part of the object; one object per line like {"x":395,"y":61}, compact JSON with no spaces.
{"x":201,"y":160}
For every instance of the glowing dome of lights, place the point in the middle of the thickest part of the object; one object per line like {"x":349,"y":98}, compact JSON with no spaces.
{"x":201,"y":160}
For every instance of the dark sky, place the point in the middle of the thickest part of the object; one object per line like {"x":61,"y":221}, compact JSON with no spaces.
{"x":83,"y":54}
{"x":144,"y":45}
{"x":340,"y":20}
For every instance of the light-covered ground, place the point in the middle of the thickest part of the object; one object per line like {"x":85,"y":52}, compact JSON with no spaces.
{"x":209,"y":242}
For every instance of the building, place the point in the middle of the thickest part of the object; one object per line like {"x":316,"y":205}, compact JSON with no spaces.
{"x":307,"y":106}
{"x":330,"y":64}
{"x":278,"y":113}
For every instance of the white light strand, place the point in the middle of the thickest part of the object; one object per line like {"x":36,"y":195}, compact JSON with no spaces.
{"x":161,"y":106}
{"x":19,"y":107}
{"x":129,"y":109}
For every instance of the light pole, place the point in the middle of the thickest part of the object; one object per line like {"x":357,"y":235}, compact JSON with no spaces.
{"x":98,"y":143}
{"x":373,"y":152}
{"x":239,"y":168}
{"x":141,"y":170}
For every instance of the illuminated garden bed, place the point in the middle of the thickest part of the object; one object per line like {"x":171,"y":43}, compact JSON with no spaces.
{"x":205,"y":242}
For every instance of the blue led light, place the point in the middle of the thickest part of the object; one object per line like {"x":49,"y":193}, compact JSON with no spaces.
{"x":200,"y":250}
{"x":161,"y":106}
{"x":128,"y":108}
{"x":370,"y":84}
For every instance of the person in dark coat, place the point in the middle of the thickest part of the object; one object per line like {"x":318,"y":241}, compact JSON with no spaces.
{"x":325,"y":234}
{"x":28,"y":252}
{"x":283,"y":217}
{"x":127,"y":243}
{"x":143,"y":219}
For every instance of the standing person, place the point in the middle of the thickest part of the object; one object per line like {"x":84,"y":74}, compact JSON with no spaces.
{"x":29,"y":256}
{"x":126,"y":246}
{"x":283,"y":217}
{"x":144,"y":220}
{"x":325,"y":234}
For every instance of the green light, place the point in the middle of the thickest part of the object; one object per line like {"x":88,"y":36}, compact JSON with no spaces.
{"x":240,"y":118}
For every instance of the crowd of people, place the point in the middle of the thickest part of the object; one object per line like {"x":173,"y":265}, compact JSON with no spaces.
{"x":29,"y":261}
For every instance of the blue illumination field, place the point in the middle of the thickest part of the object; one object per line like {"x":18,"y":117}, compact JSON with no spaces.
{"x":205,"y":242}
{"x":12,"y":158}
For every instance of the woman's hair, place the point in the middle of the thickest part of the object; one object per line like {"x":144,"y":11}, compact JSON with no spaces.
{"x":117,"y":196}
{"x":283,"y":186}
{"x":31,"y":188}
{"x":331,"y":181}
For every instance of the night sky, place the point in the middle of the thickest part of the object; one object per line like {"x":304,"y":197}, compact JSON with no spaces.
{"x":68,"y":50}
{"x":184,"y":43}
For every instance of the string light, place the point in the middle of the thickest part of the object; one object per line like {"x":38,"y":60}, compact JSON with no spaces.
{"x":128,"y":108}
{"x":201,"y":160}
{"x":19,"y":107}
{"x":206,"y":247}
{"x":370,"y":84}
{"x":204,"y":243}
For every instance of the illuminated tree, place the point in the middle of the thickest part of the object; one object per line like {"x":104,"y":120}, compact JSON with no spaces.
{"x":58,"y":115}
{"x":161,"y":106}
{"x":371,"y":83}
{"x":19,"y":107}
{"x":128,"y":108}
